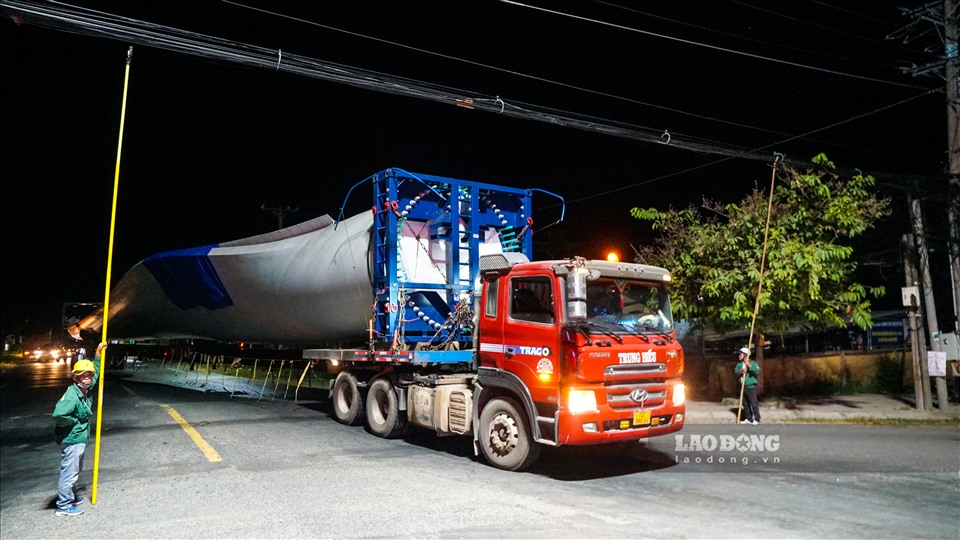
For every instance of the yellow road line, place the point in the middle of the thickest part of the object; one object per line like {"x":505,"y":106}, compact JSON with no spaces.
{"x":204,"y":446}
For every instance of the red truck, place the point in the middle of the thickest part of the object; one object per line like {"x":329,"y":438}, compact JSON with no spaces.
{"x":567,"y":352}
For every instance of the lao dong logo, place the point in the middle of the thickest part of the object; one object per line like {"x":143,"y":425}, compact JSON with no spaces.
{"x":727,"y":443}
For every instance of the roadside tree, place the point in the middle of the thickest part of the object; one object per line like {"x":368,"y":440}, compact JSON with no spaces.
{"x":809,"y":274}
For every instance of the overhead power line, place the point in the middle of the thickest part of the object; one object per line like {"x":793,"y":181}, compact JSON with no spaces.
{"x":503,"y":70}
{"x":99,"y":24}
{"x":818,"y":25}
{"x":562,"y":84}
{"x":714,"y":47}
{"x":715,"y":162}
{"x":740,"y":37}
{"x":846,"y":9}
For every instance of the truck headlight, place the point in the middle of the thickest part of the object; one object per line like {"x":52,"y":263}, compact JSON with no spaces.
{"x":579,"y":401}
{"x":678,"y":394}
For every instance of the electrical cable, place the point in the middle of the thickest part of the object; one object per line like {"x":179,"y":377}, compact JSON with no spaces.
{"x":531,"y":77}
{"x":714,"y":47}
{"x":504,"y":70}
{"x":815,"y":25}
{"x":852,"y":12}
{"x":663,"y":177}
{"x":740,"y":37}
{"x":106,"y":25}
{"x":100,"y":24}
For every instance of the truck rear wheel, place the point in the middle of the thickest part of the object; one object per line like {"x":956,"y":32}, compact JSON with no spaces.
{"x":348,"y":406}
{"x":505,"y":438}
{"x":384,"y":417}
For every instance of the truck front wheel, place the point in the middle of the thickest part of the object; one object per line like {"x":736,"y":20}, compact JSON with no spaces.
{"x":384,"y":417}
{"x":347,"y":399}
{"x":505,"y":438}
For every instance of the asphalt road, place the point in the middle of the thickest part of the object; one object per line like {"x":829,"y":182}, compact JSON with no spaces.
{"x":289,"y":471}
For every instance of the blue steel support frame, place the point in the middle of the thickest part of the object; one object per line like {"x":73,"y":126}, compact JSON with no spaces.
{"x":442,"y":202}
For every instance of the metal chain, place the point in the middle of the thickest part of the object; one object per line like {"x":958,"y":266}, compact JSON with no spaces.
{"x":460,"y":317}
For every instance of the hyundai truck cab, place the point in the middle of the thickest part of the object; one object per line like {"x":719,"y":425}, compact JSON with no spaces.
{"x":590,"y":345}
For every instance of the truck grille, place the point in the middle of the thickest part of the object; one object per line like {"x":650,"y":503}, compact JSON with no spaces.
{"x":621,"y":380}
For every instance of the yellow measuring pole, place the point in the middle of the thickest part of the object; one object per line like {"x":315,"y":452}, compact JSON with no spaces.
{"x":763,"y":258}
{"x":106,"y":294}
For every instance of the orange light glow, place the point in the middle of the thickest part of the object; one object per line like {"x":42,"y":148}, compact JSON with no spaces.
{"x":613,"y":257}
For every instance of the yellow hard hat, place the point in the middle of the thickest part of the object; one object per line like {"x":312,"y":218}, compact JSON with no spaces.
{"x":82,"y":366}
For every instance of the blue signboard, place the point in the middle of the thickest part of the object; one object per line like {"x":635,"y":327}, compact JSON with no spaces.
{"x":888,"y":335}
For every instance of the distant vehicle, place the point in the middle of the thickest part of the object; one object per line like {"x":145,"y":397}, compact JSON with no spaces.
{"x":50,"y":352}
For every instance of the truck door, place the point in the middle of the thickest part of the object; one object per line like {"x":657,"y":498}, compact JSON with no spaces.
{"x":520,"y":340}
{"x":531,"y":339}
{"x":491,"y":325}
{"x":518,"y":331}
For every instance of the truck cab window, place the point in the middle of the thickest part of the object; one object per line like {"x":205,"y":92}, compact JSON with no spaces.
{"x":531,"y":299}
{"x":640,"y":306}
{"x":493,"y":286}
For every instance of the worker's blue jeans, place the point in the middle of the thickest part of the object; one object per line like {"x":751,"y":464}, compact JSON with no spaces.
{"x":71,"y":463}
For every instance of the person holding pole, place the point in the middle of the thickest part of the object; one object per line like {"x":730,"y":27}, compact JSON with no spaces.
{"x":72,"y":415}
{"x":748,"y":372}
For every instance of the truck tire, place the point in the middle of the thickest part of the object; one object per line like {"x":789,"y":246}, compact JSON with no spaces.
{"x":384,"y":417}
{"x":348,"y":406}
{"x":505,"y":438}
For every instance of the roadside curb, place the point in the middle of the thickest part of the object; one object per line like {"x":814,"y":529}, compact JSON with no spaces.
{"x":852,"y":409}
{"x":855,"y":409}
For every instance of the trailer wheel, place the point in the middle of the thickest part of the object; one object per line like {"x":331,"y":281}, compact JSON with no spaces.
{"x":505,"y":438}
{"x":347,"y":399}
{"x":384,"y":417}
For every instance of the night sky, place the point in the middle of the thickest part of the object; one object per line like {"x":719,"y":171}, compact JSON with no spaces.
{"x":208,"y":143}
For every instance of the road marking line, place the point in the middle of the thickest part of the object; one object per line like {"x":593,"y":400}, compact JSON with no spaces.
{"x":129,"y":391}
{"x":204,"y":446}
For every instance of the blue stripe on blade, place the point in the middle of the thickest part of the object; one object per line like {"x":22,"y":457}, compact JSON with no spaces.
{"x":188,"y":278}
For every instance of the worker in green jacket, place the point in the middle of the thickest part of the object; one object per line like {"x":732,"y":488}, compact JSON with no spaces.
{"x":72,"y":414}
{"x":748,"y":372}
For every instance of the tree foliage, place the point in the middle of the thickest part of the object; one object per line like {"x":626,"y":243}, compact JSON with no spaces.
{"x":809,"y":271}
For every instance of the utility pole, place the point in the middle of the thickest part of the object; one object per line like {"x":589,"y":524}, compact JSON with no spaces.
{"x":951,"y":71}
{"x":918,"y":343}
{"x":950,"y":8}
{"x":953,"y":251}
{"x":279,"y":211}
{"x":948,"y":20}
{"x":930,"y":308}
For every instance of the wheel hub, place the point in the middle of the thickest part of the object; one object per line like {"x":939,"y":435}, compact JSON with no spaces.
{"x":344,"y":399}
{"x":504,"y":434}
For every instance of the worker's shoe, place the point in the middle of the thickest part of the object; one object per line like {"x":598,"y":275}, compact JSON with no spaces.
{"x":78,"y":501}
{"x":69,"y":511}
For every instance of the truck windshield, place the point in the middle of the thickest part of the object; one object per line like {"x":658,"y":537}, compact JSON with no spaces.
{"x":634,"y":306}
